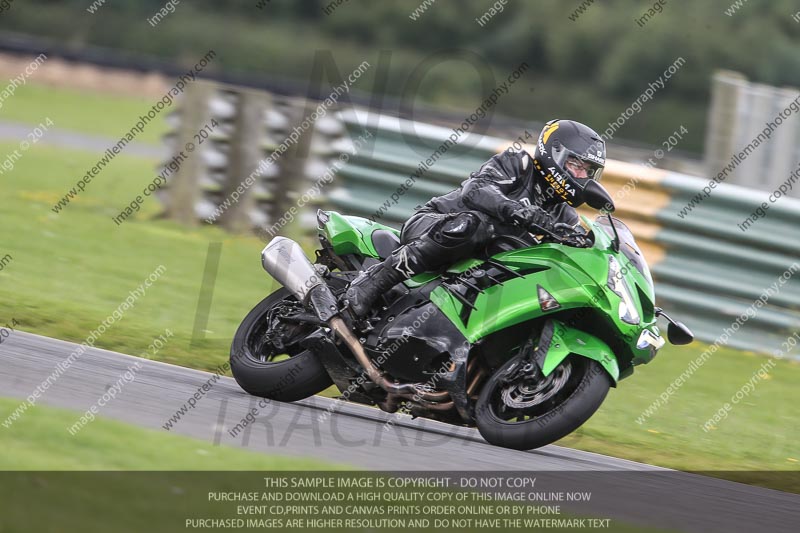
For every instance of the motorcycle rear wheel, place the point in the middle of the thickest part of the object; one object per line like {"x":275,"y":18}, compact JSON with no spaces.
{"x":264,"y":370}
{"x":528,"y":413}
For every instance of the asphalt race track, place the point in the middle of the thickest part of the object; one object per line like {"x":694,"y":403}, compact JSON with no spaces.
{"x":357,"y":435}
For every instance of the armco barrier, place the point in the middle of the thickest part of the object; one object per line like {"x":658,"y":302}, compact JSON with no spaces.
{"x":369,"y":180}
{"x":715,"y":271}
{"x":708,"y":271}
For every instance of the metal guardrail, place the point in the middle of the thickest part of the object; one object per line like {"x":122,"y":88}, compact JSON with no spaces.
{"x":366,"y":184}
{"x":714,"y":271}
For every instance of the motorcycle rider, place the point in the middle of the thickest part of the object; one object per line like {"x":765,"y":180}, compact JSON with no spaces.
{"x":511,"y":193}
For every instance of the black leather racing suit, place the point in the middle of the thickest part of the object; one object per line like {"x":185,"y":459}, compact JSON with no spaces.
{"x":462,"y":222}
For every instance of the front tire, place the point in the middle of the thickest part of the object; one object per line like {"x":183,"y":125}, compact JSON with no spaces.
{"x":532,"y":412}
{"x":262,"y":369}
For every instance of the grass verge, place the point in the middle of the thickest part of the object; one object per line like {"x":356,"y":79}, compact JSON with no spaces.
{"x":39,"y":441}
{"x":126,"y":476}
{"x":115,"y":474}
{"x":108,"y":115}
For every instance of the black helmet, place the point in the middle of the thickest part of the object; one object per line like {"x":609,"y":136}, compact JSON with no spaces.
{"x":563,"y":141}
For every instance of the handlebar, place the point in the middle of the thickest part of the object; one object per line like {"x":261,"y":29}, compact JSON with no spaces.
{"x":569,"y":238}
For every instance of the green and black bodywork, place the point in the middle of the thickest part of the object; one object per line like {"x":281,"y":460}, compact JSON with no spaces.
{"x":524,"y":342}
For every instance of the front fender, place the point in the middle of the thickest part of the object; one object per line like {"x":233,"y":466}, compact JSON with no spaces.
{"x":567,"y":340}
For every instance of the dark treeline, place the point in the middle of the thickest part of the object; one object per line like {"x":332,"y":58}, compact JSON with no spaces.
{"x":587,"y":65}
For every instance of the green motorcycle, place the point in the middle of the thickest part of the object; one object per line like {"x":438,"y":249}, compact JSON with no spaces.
{"x":523,"y":343}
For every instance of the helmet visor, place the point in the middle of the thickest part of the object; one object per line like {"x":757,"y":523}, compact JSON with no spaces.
{"x":582,"y":169}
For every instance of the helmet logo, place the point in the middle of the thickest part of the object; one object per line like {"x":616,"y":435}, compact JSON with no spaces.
{"x":561,"y":186}
{"x":596,"y":158}
{"x":548,"y":131}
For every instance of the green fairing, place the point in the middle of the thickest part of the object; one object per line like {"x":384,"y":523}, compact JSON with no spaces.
{"x":352,"y":235}
{"x":567,"y":340}
{"x":576,"y":277}
{"x":516,"y":301}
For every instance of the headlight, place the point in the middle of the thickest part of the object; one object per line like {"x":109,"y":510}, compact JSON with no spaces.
{"x":627,"y":307}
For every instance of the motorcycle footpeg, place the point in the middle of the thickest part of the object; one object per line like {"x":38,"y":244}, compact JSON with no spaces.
{"x":366,"y":326}
{"x":353,"y":321}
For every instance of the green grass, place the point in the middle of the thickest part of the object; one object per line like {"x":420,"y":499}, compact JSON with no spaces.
{"x":758,"y":438}
{"x":167,"y":489}
{"x":39,"y":441}
{"x":70,"y":271}
{"x":111,"y":473}
{"x":95,"y":113}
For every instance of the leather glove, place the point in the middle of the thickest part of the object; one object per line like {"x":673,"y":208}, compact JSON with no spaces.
{"x":533,"y":217}
{"x":571,"y":235}
{"x":577,"y":241}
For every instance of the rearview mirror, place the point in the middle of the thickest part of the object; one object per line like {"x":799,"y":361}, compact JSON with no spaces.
{"x":597,"y":197}
{"x":678,"y":333}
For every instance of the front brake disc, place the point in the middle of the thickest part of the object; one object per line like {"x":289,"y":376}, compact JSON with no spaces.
{"x":527,"y":393}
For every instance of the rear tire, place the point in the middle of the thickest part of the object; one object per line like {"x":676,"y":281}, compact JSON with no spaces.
{"x":300,"y":376}
{"x":582,"y":392}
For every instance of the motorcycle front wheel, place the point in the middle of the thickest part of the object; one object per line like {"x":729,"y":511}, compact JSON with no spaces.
{"x":521,"y":409}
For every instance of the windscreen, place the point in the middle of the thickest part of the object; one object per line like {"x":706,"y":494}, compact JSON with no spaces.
{"x":627,"y":245}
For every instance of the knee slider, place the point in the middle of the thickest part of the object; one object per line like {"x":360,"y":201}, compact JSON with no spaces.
{"x":458,"y":229}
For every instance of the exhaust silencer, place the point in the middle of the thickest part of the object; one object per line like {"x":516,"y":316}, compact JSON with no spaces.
{"x":284,"y":260}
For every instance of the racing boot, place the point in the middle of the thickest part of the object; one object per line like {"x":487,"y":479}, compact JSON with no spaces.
{"x":377,"y":280}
